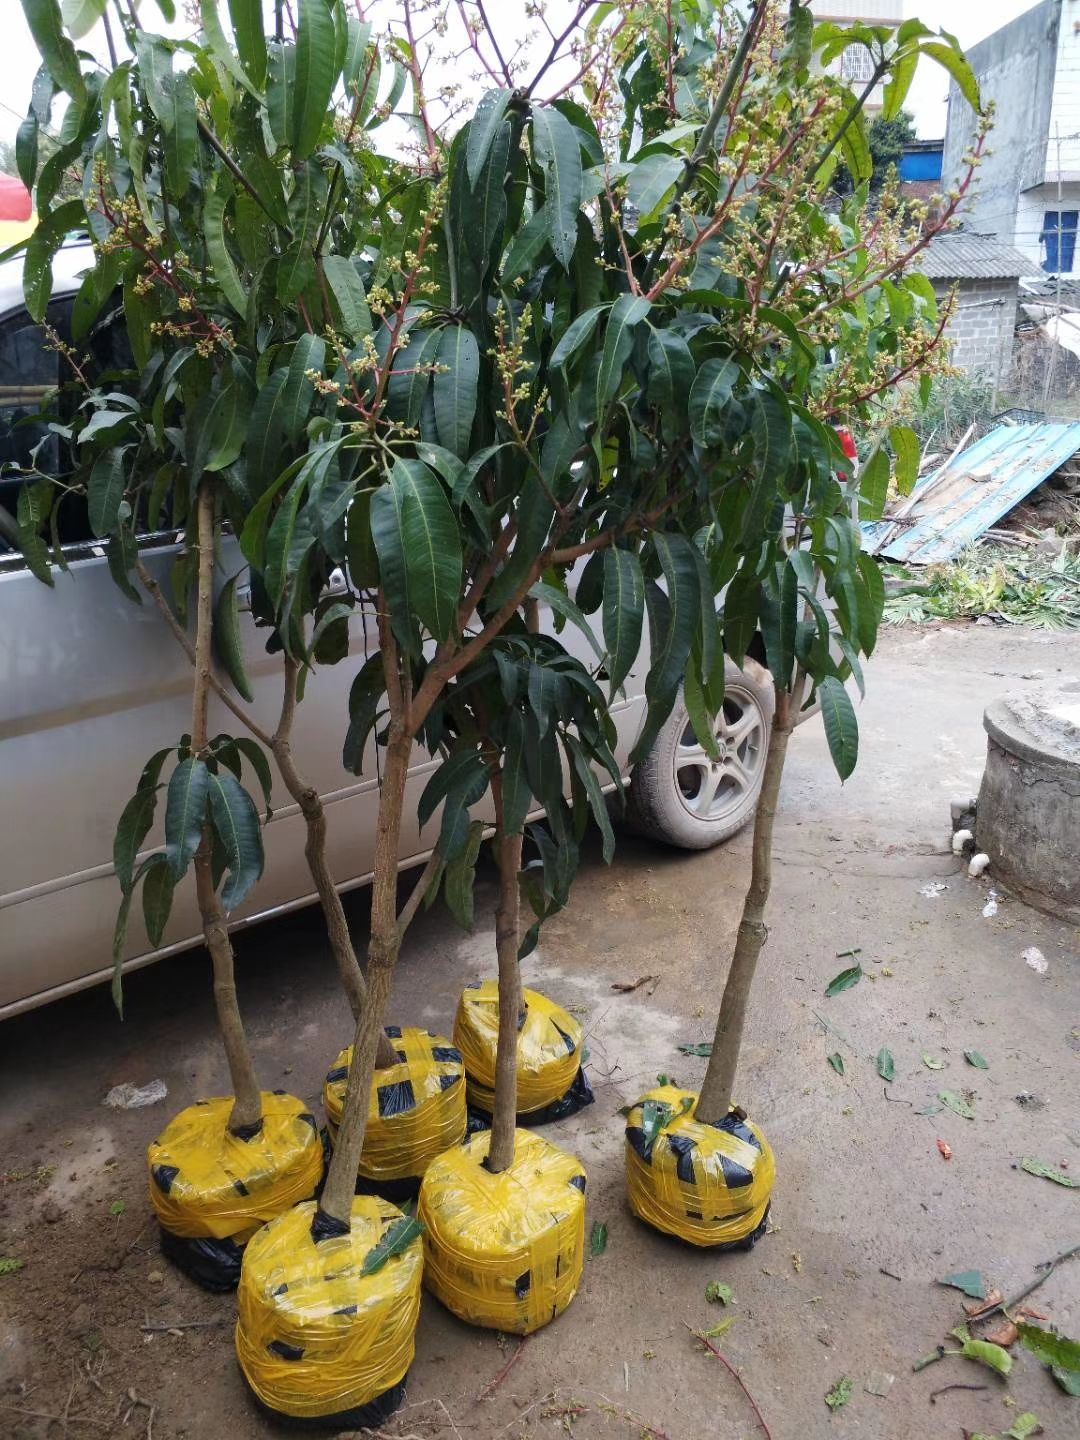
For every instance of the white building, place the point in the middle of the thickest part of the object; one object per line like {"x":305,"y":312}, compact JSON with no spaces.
{"x":855,"y":65}
{"x":1028,"y":187}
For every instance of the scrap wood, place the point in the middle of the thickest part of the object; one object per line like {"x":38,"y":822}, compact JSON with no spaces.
{"x":699,"y":1335}
{"x":493,"y":1384}
{"x":626,"y":987}
{"x":1049,"y":1266}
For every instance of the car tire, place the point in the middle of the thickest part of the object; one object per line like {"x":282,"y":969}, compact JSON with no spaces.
{"x":680,"y":796}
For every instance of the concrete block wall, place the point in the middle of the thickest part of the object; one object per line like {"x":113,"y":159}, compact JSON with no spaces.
{"x":981,"y":330}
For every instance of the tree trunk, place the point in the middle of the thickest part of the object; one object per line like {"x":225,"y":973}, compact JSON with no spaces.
{"x":383,"y":947}
{"x":246,"y":1116}
{"x":511,"y":998}
{"x":716,"y":1092}
{"x":314,"y":813}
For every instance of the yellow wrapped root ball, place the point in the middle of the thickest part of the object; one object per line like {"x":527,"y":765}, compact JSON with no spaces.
{"x":211,"y":1190}
{"x":417,"y":1107}
{"x":318,"y":1339}
{"x":708,"y":1184}
{"x":551,"y":1082}
{"x":504,"y":1251}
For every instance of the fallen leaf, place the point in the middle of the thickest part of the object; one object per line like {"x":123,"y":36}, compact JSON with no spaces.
{"x":976,"y":1309}
{"x":704,"y":1050}
{"x":971,"y":1282}
{"x":1023,"y":1426}
{"x":1005,"y":1335}
{"x":1047,"y":1172}
{"x":9,"y":1264}
{"x":974,"y":1058}
{"x":721,"y":1329}
{"x":932,"y":1064}
{"x":886,"y":1066}
{"x":986,"y":1354}
{"x":1051,"y":1349}
{"x":836,"y":1060}
{"x":718,"y":1294}
{"x":844,"y":981}
{"x":956,"y":1103}
{"x":1069,"y":1380}
{"x":598,"y":1239}
{"x":625,"y":987}
{"x":840,"y":1393}
{"x":945,"y":1148}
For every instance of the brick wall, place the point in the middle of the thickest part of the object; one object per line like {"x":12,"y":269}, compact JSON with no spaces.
{"x":982,"y":326}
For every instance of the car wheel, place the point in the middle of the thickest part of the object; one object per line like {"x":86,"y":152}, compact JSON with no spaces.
{"x":679,"y":795}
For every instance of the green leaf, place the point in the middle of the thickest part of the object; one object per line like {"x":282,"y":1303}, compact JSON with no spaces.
{"x":598,"y":1239}
{"x":454,"y":388}
{"x":132,"y":829}
{"x":836,"y":1060}
{"x":185,"y":812}
{"x":971,"y":1282}
{"x":627,"y":312}
{"x":655,"y":1114}
{"x":932,"y":1064}
{"x":1047,"y":1172}
{"x":348,"y":291}
{"x":988,"y":1354}
{"x":225,"y":271}
{"x":874,"y":485}
{"x":671,"y":371}
{"x":956,"y":1103}
{"x":482,"y":130}
{"x":974,"y":1058}
{"x":908,"y":452}
{"x":236,"y":824}
{"x":1055,"y":1350}
{"x":360,"y":545}
{"x":180,"y":142}
{"x":315,"y":75}
{"x":26,"y":150}
{"x":714,"y":1332}
{"x":247,"y":24}
{"x":410,"y":378}
{"x":46,"y":26}
{"x":459,"y":782}
{"x":953,"y":61}
{"x":898,"y":85}
{"x":9,"y":1264}
{"x":157,"y":895}
{"x":227,"y":640}
{"x":419,"y":549}
{"x":575,"y":336}
{"x":120,"y":554}
{"x":42,"y":245}
{"x":1023,"y":1426}
{"x":461,"y":876}
{"x":265,"y":433}
{"x":309,"y":353}
{"x":597,"y":800}
{"x":561,"y":603}
{"x":840,"y":1393}
{"x":709,"y":396}
{"x":844,"y":981}
{"x":558,"y":153}
{"x":717,"y":1293}
{"x":31,"y":509}
{"x":1069,"y":1380}
{"x":80,"y":16}
{"x":841,"y":727}
{"x":886,"y":1066}
{"x":702,"y":1050}
{"x":650,"y":180}
{"x":105,"y":492}
{"x":256,"y":758}
{"x":395,"y":1240}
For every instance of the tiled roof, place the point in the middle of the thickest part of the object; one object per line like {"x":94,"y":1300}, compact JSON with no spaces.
{"x":971,"y":257}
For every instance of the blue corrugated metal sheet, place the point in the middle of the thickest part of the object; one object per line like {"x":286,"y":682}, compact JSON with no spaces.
{"x":981,"y":485}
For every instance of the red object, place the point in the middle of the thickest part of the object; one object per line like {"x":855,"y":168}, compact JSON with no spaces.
{"x":15,"y":202}
{"x":946,"y":1150}
{"x":847,"y":442}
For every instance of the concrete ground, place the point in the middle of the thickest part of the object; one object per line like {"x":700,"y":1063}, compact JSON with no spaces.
{"x":867,"y":1212}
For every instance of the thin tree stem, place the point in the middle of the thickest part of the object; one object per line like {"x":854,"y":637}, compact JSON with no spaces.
{"x":511,"y":997}
{"x":247,"y":1102}
{"x":716,"y":1091}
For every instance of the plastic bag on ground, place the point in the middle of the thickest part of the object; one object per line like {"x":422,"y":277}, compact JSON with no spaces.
{"x":317,"y":1339}
{"x":708,"y":1184}
{"x":504,"y":1251}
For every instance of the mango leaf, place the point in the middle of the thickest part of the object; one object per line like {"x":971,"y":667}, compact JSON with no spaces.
{"x":563,"y":606}
{"x":185,"y":812}
{"x":971,"y":1282}
{"x":80,"y":16}
{"x":227,"y":638}
{"x":483,"y":128}
{"x":558,"y":153}
{"x":841,"y":727}
{"x":655,"y":1114}
{"x":454,"y":387}
{"x":132,"y":829}
{"x":419,"y":548}
{"x":396,"y":1239}
{"x":908,"y":452}
{"x":225,"y":271}
{"x":671,"y":370}
{"x":315,"y":74}
{"x":974,"y":1058}
{"x":458,"y":783}
{"x":461,"y":876}
{"x":44,"y":20}
{"x":236,"y":825}
{"x":627,"y":312}
{"x":709,"y":396}
{"x":956,"y":1103}
{"x":598,"y":1239}
{"x":874,"y":485}
{"x":836,"y":1060}
{"x":651,"y":179}
{"x":901,"y":75}
{"x":886,"y":1066}
{"x":574,"y":336}
{"x":1047,"y":1172}
{"x":348,"y":291}
{"x":42,"y":245}
{"x":247,"y":24}
{"x":702,"y":1049}
{"x":845,"y":980}
{"x":1023,"y":1426}
{"x":157,"y":896}
{"x":105,"y":492}
{"x":932,"y":1063}
{"x":988,"y":1354}
{"x":953,"y":61}
{"x":1056,"y":1350}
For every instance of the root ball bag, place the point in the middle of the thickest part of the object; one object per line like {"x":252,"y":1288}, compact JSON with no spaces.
{"x":416,"y":1111}
{"x":321,"y":1337}
{"x":211,"y":1190}
{"x":551,"y":1082}
{"x":708,"y":1184}
{"x":504,"y":1251}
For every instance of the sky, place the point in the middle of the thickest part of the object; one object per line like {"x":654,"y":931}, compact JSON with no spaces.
{"x":969,"y":20}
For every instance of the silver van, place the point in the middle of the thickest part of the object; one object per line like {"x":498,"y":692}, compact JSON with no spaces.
{"x":78,"y":717}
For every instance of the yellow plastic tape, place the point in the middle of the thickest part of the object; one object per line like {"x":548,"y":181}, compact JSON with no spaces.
{"x":548,"y":1054}
{"x":315,"y":1336}
{"x":504,"y":1251}
{"x":417,"y":1108}
{"x":707,"y":1184}
{"x":205,"y":1182}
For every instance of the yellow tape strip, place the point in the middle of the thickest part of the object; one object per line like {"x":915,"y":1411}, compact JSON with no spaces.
{"x":549,"y":1047}
{"x":314,"y":1336}
{"x":504,"y":1251}
{"x":204,"y":1182}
